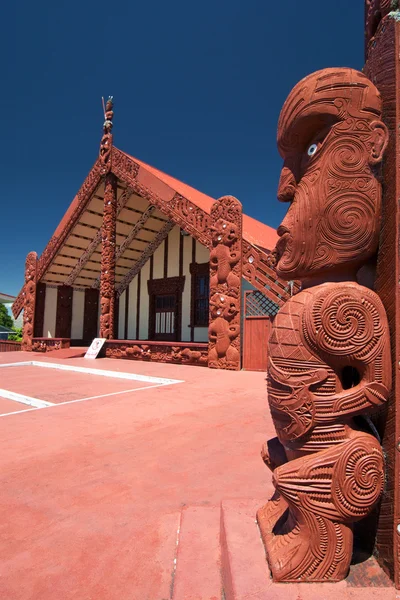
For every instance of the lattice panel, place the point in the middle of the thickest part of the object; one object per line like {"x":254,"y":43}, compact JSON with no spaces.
{"x":258,"y":304}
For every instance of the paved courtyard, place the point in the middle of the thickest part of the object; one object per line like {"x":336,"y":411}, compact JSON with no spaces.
{"x":97,"y":469}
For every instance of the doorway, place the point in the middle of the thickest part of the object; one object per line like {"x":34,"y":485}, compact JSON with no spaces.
{"x":165,"y":309}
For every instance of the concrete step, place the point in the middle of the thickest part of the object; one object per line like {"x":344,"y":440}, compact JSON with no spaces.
{"x":164,"y":555}
{"x":246,"y":576}
{"x":197,"y":575}
{"x":245,"y":572}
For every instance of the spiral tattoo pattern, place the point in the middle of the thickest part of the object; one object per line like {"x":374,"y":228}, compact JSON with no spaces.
{"x":358,"y":478}
{"x":344,"y":322}
{"x":348,"y":217}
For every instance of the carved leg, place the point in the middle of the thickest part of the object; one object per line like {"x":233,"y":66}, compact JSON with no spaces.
{"x":326,"y":492}
{"x":273,"y":455}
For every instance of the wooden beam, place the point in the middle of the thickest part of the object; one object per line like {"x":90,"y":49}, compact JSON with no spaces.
{"x":130,"y":237}
{"x":151,"y":248}
{"x":134,"y":231}
{"x":96,"y":241}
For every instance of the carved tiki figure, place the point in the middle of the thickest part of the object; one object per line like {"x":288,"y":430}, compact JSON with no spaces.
{"x":225,"y":284}
{"x":329,"y":356}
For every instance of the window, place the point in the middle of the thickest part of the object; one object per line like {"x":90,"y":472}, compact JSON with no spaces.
{"x":200,"y":294}
{"x":165,"y":316}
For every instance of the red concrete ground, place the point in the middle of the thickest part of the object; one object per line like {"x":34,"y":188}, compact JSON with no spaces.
{"x":61,"y":386}
{"x":93,"y":492}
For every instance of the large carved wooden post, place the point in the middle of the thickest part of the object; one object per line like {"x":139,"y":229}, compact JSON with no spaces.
{"x":329,"y":351}
{"x":107,"y":277}
{"x":225,"y":284}
{"x":383,"y":68}
{"x":29,"y":301}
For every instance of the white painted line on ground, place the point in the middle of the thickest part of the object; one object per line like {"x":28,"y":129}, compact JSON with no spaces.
{"x":25,"y":399}
{"x":54,"y":405}
{"x":101,"y":372}
{"x":39,"y":404}
{"x":149,"y":387}
{"x":17,"y":412}
{"x":104,"y":373}
{"x":18,"y":364}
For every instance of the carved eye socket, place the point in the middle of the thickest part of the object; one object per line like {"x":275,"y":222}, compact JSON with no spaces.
{"x":312,"y":150}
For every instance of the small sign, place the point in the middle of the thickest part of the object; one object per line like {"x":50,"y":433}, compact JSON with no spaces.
{"x":95,"y":347}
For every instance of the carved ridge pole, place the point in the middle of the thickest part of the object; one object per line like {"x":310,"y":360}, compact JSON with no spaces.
{"x":108,"y":233}
{"x":29,"y":301}
{"x":224,"y":347}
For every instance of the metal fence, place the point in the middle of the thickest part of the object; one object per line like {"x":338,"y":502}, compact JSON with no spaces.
{"x":258,"y":304}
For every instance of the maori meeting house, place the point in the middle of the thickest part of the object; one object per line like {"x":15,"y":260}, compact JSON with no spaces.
{"x":160,"y":270}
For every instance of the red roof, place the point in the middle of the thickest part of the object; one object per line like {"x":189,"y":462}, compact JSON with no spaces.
{"x":7,"y":297}
{"x":254,"y":231}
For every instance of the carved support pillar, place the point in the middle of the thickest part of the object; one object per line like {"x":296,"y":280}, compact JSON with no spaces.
{"x":29,"y":301}
{"x":107,"y":278}
{"x":383,"y":68}
{"x":225,"y":284}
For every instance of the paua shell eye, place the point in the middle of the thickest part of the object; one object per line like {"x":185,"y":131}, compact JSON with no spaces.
{"x":312,"y":150}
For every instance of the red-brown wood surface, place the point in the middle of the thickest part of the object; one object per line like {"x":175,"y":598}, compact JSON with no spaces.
{"x":64,"y":312}
{"x":90,"y":315}
{"x":39,"y":309}
{"x":383,"y":67}
{"x":255,"y":344}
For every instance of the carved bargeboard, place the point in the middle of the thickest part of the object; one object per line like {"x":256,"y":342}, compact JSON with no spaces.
{"x":329,"y":350}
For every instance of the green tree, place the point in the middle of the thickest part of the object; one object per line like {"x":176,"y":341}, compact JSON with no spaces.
{"x":17,"y":336}
{"x":5,"y":318}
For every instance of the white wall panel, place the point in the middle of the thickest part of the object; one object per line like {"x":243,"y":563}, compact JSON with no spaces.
{"x":121,"y":317}
{"x":132,"y":309}
{"x":158,"y":265}
{"x":173,"y":252}
{"x":50,"y":311}
{"x":144,"y":303}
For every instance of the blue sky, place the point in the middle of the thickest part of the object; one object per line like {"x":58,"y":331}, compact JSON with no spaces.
{"x":197,"y":86}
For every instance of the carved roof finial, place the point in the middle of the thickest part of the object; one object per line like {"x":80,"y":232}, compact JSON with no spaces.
{"x":106,"y":140}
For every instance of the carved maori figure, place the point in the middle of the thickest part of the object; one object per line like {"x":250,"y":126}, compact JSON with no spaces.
{"x":29,"y":301}
{"x":375,"y":11}
{"x":107,"y":280}
{"x":329,"y":355}
{"x":225,"y":284}
{"x":106,"y":140}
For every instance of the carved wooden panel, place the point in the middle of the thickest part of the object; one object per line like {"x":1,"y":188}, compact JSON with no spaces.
{"x":39,"y":310}
{"x":90,"y":315}
{"x":198,"y":270}
{"x":183,"y":353}
{"x":64,"y":312}
{"x":225,"y":284}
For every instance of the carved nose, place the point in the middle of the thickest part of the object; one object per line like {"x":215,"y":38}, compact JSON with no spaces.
{"x":287,"y":185}
{"x":282,"y":229}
